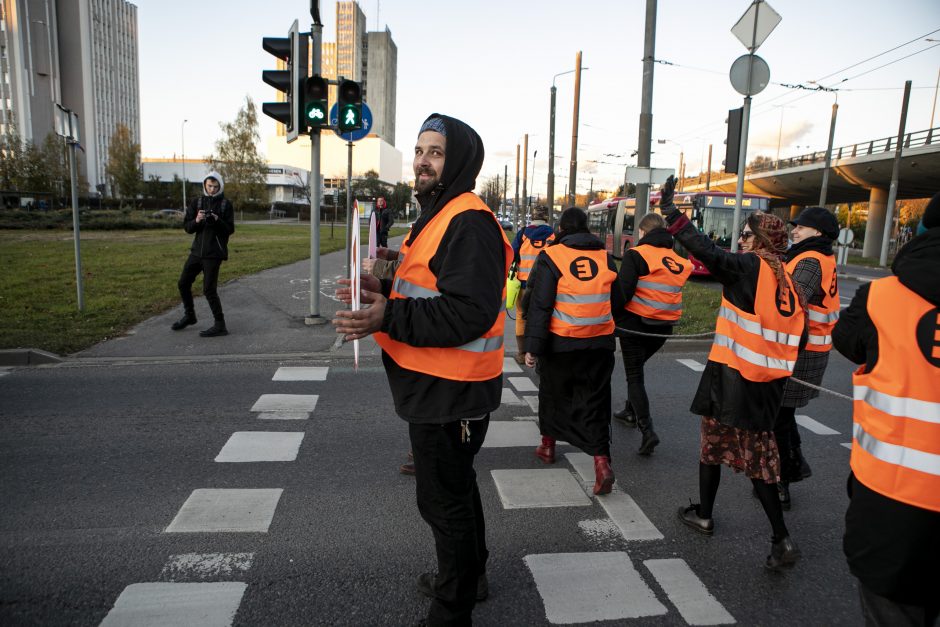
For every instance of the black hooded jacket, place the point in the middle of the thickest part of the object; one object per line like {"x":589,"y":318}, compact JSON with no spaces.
{"x":211,"y":235}
{"x":470,"y":266}
{"x":892,"y":547}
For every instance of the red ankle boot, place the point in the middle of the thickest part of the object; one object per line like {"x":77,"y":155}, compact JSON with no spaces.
{"x":546,"y":450}
{"x":603,"y":475}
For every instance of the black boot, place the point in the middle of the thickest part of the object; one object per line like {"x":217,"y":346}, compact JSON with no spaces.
{"x":783,"y":492}
{"x":188,"y":318}
{"x":801,"y":464}
{"x":783,"y":554}
{"x":626,"y":415}
{"x":650,"y":439}
{"x":216,"y":329}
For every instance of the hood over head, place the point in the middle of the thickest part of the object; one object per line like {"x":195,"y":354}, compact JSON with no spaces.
{"x":213,"y":175}
{"x":916,"y":265}
{"x":462,"y":162}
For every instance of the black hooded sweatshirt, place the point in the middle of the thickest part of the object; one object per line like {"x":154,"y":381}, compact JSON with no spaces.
{"x":892,"y":547}
{"x":470,"y":266}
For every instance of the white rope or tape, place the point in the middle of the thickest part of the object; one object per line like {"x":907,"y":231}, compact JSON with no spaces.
{"x":821,"y":389}
{"x":668,"y":337}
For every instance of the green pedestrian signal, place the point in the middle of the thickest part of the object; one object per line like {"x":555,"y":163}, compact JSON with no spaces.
{"x":349,"y":106}
{"x":315,"y":102}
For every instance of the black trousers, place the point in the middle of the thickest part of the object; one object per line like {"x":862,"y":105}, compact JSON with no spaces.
{"x":449,"y":501}
{"x":210,"y":279}
{"x":383,"y":239}
{"x":636,"y":350}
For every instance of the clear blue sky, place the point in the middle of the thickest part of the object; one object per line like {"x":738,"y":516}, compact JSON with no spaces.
{"x":491,"y":64}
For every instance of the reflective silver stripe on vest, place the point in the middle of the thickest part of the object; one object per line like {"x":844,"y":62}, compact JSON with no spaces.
{"x":483,"y":344}
{"x":903,"y":456}
{"x":583,"y":298}
{"x":898,"y":406}
{"x":817,"y":316}
{"x":410,"y":290}
{"x":659,"y":287}
{"x":820,"y":340}
{"x":655,"y":304}
{"x":581,"y":322}
{"x":755,"y":328}
{"x":528,"y":257}
{"x":750,"y":356}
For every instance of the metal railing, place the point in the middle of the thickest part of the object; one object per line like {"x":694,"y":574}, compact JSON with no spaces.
{"x":875,"y":146}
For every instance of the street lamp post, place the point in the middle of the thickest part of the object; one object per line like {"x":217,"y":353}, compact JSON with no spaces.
{"x":534,"y":155}
{"x":679,"y":173}
{"x":550,"y":184}
{"x":183,"y":158}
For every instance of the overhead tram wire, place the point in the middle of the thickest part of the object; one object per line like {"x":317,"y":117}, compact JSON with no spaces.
{"x":880,"y":54}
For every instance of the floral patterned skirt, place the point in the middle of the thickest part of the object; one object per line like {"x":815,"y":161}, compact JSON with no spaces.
{"x":752,"y":452}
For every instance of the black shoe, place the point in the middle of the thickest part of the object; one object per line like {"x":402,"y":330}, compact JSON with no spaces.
{"x":689,"y":517}
{"x":184,"y":322}
{"x":626,"y":415}
{"x":425,"y":586}
{"x":783,"y":554}
{"x":216,"y":329}
{"x":800,"y":462}
{"x":783,"y":492}
{"x":650,"y":440}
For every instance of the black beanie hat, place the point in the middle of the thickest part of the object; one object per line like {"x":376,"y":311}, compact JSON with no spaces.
{"x":819,"y":218}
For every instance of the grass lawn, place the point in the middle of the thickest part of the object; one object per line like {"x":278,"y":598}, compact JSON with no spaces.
{"x":699,"y":309}
{"x":128,"y":276}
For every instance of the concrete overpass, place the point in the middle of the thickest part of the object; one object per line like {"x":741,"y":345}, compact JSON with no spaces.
{"x":859,"y":172}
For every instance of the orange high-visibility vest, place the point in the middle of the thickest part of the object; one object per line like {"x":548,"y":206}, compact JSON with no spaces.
{"x":528,"y":251}
{"x":821,"y":318}
{"x":763,"y":345}
{"x":478,"y":360}
{"x":658,"y":295}
{"x":896,"y":430}
{"x":582,"y":299}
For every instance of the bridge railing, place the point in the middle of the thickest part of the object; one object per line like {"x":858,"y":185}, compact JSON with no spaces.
{"x":875,"y":146}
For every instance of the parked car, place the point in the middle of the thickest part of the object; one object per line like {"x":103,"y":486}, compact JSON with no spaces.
{"x":168,"y":214}
{"x":506,"y":224}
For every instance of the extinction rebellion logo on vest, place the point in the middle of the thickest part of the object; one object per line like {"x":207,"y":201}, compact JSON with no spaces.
{"x":787,"y":304}
{"x":672,"y":265}
{"x":928,"y":336}
{"x":583,"y":268}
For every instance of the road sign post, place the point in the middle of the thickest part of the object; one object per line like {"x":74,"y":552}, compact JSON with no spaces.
{"x":350,"y":137}
{"x":316,"y":35}
{"x":67,"y":127}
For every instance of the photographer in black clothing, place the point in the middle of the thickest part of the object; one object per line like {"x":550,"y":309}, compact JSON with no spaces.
{"x":212,"y":219}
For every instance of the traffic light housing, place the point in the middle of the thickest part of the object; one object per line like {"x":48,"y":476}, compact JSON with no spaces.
{"x":733,"y":140}
{"x":349,"y":106}
{"x":292,"y":50}
{"x":316,"y":102}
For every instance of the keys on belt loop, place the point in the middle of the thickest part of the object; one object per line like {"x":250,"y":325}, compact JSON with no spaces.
{"x":464,"y":431}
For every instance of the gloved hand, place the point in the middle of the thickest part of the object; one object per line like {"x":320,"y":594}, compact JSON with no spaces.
{"x":667,"y":193}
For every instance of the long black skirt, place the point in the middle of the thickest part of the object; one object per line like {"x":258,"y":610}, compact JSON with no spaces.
{"x":574,"y":398}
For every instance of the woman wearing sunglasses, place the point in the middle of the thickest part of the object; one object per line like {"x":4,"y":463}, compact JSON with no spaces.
{"x":758,"y":334}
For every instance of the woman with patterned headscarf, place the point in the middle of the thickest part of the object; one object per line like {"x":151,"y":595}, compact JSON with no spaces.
{"x":759,"y":331}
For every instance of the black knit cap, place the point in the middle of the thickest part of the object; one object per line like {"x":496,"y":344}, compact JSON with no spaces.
{"x":818,"y":218}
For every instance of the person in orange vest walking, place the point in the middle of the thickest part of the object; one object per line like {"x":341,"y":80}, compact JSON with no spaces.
{"x":892,"y":526}
{"x":526,"y":247}
{"x":440,"y":321}
{"x":812,"y":266}
{"x":758,"y":333}
{"x":651,"y":276}
{"x":570,"y":332}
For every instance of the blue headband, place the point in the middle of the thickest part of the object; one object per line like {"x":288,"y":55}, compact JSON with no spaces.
{"x":434,"y":124}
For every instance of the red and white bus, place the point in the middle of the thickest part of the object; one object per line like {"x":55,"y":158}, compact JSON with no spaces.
{"x":711,"y":212}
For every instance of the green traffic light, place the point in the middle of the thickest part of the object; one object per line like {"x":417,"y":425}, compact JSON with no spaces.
{"x":349,"y":118}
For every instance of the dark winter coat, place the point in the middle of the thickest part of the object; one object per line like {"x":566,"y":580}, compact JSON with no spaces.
{"x":722,"y":392}
{"x":632,"y":268}
{"x":542,"y":289}
{"x":211,"y":235}
{"x":892,"y":547}
{"x":470,"y":266}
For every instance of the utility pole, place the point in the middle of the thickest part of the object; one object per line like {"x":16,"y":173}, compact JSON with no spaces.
{"x":832,"y":134}
{"x":550,"y":183}
{"x":525,"y":172}
{"x":316,"y":36}
{"x":646,"y":109}
{"x":515,"y":202}
{"x":573,"y":172}
{"x":895,"y":172}
{"x":708,"y":177}
{"x":505,"y":183}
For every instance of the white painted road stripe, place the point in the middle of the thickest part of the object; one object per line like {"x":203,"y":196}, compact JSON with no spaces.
{"x":533,"y":402}
{"x":206,"y":566}
{"x":847,"y":445}
{"x":524,"y":488}
{"x":691,"y":363}
{"x":283,"y":415}
{"x":502,"y":434}
{"x":534,"y":418}
{"x":510,"y":365}
{"x":588,"y":587}
{"x":816,"y":427}
{"x":176,"y":605}
{"x":510,"y":398}
{"x":261,"y":446}
{"x":286,"y":402}
{"x":523,"y":384}
{"x":687,"y":592}
{"x":289,"y":373}
{"x":223,"y":510}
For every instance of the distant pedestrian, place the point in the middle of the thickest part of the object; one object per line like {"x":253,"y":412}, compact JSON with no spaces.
{"x":757,"y":336}
{"x":651,"y":276}
{"x":211,"y":218}
{"x":440,"y":324}
{"x":812,"y":265}
{"x":570,"y":331}
{"x":525,"y":248}
{"x":892,"y":526}
{"x":386,"y":219}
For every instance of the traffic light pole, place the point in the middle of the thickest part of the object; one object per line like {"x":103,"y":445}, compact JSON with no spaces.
{"x":316,"y":34}
{"x":349,"y":216}
{"x":73,"y":172}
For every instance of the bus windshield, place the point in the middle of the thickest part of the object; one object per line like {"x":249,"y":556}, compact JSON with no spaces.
{"x":715,"y":216}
